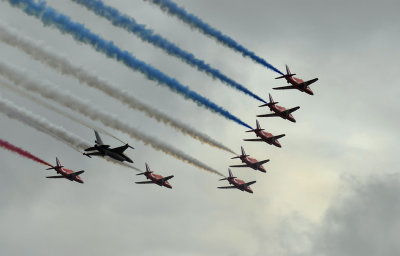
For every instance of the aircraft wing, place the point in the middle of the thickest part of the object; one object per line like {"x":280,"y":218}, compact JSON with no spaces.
{"x":227,"y":187}
{"x":276,"y":137}
{"x":306,"y":83}
{"x":253,"y":140}
{"x":267,"y":115}
{"x":94,"y":154}
{"x":74,"y":174}
{"x":248,"y":184}
{"x":285,"y":87}
{"x":244,"y":165}
{"x":262,"y":162}
{"x":144,"y":182}
{"x":288,"y":111}
{"x":119,"y":150}
{"x":166,"y":178}
{"x":55,"y":177}
{"x":90,"y":149}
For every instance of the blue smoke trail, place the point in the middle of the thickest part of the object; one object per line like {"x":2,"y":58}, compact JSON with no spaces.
{"x":50,"y":16}
{"x":193,"y":21}
{"x":129,"y":23}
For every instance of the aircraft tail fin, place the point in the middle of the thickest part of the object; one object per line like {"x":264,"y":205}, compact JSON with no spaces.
{"x":258,"y":125}
{"x":147,"y":168}
{"x":243,"y":152}
{"x":288,"y":74}
{"x":230,"y":173}
{"x":58,"y":162}
{"x":288,"y":70}
{"x":230,"y":176}
{"x":258,"y":128}
{"x":58,"y":165}
{"x":98,"y":138}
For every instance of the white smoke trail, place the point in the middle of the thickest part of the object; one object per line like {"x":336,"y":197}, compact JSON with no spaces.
{"x":51,"y":107}
{"x":41,"y":124}
{"x":62,"y":65}
{"x":76,"y":104}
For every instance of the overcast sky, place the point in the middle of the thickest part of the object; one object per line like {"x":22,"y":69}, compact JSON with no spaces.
{"x":332,"y":189}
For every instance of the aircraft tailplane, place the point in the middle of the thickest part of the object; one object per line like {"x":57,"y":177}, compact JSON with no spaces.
{"x":54,"y":167}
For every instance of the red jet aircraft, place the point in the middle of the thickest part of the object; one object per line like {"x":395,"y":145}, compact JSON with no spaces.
{"x":65,"y":173}
{"x":279,"y":111}
{"x":239,"y":184}
{"x":265,"y":136}
{"x":155,"y":178}
{"x":250,"y":162}
{"x":297,"y":83}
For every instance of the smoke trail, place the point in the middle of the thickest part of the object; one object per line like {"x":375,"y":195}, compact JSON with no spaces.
{"x":42,"y":125}
{"x":76,"y":104}
{"x":147,"y":35}
{"x":21,"y":152}
{"x":195,"y":22}
{"x":49,"y":16}
{"x":25,"y":116}
{"x":61,"y":64}
{"x":51,"y":107}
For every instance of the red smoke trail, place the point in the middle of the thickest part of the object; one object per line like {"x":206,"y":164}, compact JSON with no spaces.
{"x":22,"y":152}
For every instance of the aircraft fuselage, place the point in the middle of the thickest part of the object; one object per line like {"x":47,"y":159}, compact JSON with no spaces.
{"x":114,"y":155}
{"x":238,"y":184}
{"x":157,"y":179}
{"x":296,"y":82}
{"x":65,"y":173}
{"x":279,"y":111}
{"x":266,"y":137}
{"x":252,"y":163}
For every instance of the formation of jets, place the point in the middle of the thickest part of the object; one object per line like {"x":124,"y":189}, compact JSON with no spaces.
{"x":117,"y":153}
{"x":262,"y":135}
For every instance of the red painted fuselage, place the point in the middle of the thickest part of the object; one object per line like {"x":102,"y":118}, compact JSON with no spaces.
{"x":296,"y":82}
{"x":266,"y":137}
{"x":252,"y":163}
{"x":65,"y":172}
{"x":239,"y":185}
{"x":157,"y":179}
{"x":279,"y":110}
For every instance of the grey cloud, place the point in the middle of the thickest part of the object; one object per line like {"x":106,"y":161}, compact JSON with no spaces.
{"x":362,"y":220}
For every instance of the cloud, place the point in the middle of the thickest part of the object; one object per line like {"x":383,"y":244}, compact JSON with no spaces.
{"x":361,"y":221}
